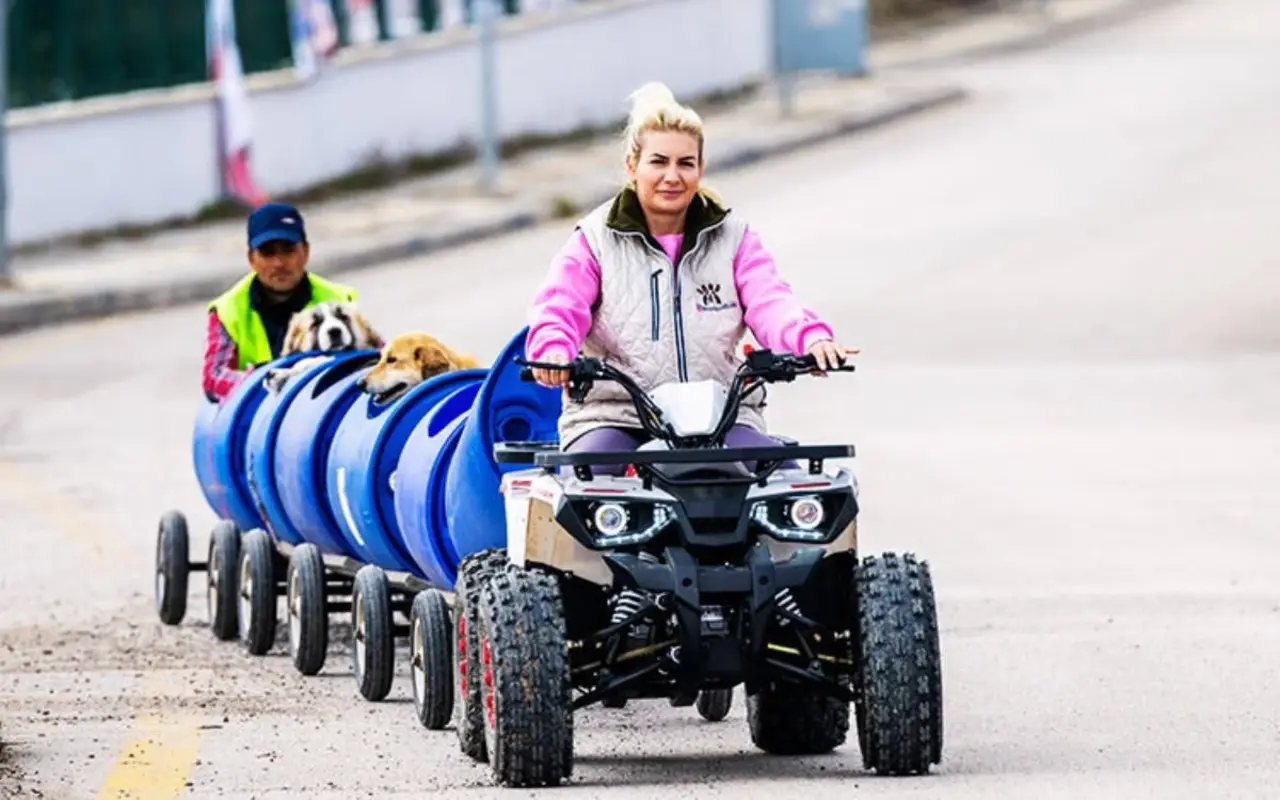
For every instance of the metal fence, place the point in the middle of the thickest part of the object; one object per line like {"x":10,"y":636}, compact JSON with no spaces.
{"x":71,"y":49}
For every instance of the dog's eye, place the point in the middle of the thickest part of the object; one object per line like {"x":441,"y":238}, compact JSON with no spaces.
{"x":340,"y":314}
{"x":391,"y":359}
{"x":315,"y":323}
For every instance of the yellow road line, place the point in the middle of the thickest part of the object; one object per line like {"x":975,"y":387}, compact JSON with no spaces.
{"x":156,"y":764}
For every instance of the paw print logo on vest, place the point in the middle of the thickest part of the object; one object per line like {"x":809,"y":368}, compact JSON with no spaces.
{"x":709,"y":298}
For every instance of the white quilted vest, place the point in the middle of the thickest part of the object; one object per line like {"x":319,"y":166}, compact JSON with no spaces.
{"x":656,"y":322}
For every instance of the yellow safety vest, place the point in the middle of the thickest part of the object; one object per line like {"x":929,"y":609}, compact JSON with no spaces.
{"x":245,"y":325}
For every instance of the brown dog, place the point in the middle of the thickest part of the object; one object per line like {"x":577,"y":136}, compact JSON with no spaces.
{"x":408,"y":360}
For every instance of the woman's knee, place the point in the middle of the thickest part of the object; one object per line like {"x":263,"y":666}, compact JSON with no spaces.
{"x":746,"y":436}
{"x":604,"y":440}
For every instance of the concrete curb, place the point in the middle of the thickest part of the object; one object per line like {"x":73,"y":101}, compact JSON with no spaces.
{"x":34,"y":310}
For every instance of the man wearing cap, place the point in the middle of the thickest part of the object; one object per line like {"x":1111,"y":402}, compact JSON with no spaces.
{"x":247,"y":323}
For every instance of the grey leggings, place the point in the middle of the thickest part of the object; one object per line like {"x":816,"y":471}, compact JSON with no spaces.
{"x":614,"y":439}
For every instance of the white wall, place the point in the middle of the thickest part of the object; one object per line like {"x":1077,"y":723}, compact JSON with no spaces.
{"x":149,"y":156}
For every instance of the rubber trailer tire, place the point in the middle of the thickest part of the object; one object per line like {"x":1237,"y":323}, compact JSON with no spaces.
{"x":173,"y":568}
{"x":373,"y":641}
{"x":257,"y":592}
{"x":222,"y":581}
{"x":431,"y":659}
{"x":714,"y":704}
{"x":305,"y":604}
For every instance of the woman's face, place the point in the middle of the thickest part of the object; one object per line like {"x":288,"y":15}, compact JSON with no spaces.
{"x":668,"y":171}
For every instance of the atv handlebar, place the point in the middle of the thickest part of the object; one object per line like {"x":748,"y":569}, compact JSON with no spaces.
{"x":759,"y":367}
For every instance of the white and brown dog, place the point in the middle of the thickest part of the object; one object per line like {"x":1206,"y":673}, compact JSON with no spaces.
{"x":326,"y":328}
{"x":408,"y":360}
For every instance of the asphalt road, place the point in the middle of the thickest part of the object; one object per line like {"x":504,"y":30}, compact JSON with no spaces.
{"x":1069,"y":401}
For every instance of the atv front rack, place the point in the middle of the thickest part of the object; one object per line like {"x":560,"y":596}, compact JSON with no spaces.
{"x":548,"y":456}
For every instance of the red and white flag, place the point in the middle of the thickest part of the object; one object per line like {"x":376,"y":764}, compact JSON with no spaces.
{"x":235,"y":133}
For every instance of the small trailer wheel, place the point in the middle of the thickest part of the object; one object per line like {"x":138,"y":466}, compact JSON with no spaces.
{"x":373,"y":650}
{"x":431,"y":646}
{"x":222,"y":580}
{"x":172,"y":568}
{"x":308,"y":617}
{"x":257,"y":592}
{"x":714,"y":704}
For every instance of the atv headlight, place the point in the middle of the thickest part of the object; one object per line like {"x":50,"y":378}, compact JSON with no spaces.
{"x":794,"y":519}
{"x":807,"y":513}
{"x":616,"y":523}
{"x":610,"y":519}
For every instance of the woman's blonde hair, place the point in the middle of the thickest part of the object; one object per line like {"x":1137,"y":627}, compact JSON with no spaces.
{"x":654,"y":108}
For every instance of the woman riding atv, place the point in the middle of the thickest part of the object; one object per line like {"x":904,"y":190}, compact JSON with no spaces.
{"x":664,"y":281}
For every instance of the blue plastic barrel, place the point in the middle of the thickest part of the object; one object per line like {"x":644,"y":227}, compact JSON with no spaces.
{"x":302,"y":448}
{"x":260,"y":449}
{"x":365,"y":453}
{"x":220,"y":445}
{"x":202,"y":458}
{"x":425,"y":463}
{"x":507,"y":409}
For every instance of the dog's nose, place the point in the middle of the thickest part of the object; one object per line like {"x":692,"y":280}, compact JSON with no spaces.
{"x":335,"y":336}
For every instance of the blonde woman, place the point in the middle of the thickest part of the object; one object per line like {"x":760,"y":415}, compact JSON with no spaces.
{"x":664,"y":281}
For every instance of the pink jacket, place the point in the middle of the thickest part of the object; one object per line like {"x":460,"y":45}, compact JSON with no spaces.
{"x":561,"y":313}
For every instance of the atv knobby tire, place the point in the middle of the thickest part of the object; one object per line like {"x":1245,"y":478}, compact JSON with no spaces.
{"x":900,"y":666}
{"x":525,"y":683}
{"x":474,"y":573}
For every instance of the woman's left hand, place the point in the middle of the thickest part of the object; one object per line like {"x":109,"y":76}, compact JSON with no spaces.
{"x":829,"y":355}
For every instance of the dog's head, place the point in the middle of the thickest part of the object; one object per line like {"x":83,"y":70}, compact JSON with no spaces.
{"x":328,"y":327}
{"x":406,"y":361}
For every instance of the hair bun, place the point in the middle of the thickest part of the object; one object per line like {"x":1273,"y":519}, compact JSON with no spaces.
{"x":650,"y":100}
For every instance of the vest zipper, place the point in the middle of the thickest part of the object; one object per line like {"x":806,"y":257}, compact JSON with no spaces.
{"x":681,"y":358}
{"x":654,"y":308}
{"x":654,"y":305}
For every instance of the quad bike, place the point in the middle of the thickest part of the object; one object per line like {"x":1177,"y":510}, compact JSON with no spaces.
{"x":697,"y":569}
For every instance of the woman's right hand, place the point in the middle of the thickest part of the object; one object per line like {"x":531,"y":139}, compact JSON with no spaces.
{"x":552,"y":377}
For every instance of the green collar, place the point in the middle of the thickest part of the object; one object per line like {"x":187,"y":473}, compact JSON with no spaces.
{"x":626,"y":216}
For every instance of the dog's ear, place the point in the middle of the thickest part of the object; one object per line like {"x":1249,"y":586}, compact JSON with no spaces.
{"x":430,"y":359}
{"x":294,"y":337}
{"x":365,"y":334}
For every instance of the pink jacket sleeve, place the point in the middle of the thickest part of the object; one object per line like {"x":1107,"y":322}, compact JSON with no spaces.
{"x":561,"y":313}
{"x":777,"y":318}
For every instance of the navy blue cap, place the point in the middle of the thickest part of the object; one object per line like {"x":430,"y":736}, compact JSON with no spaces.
{"x":275,"y":221}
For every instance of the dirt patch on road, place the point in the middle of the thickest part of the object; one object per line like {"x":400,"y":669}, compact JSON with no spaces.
{"x":117,"y":642}
{"x":11,"y":775}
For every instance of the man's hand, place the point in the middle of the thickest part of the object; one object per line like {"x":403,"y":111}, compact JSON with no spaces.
{"x":552,"y":377}
{"x":829,"y":355}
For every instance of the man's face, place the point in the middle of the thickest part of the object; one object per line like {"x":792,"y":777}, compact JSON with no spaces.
{"x":280,"y":264}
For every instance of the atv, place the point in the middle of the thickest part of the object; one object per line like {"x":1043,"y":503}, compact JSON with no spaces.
{"x":692,"y":570}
